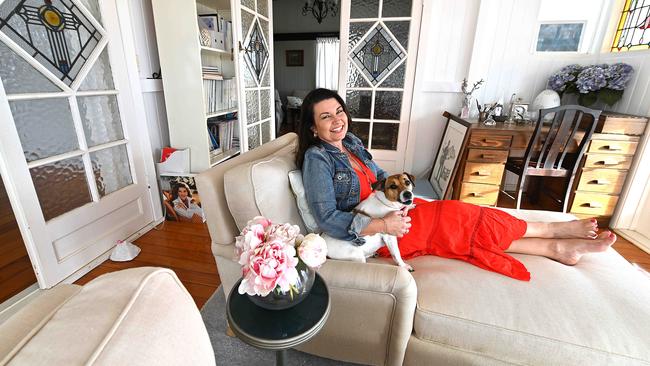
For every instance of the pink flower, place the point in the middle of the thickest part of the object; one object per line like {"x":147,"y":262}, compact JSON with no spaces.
{"x":313,"y":250}
{"x":285,"y":232}
{"x":269,"y":265}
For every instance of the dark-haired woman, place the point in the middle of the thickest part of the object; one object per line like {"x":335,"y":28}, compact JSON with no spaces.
{"x":185,"y":206}
{"x":338,"y":172}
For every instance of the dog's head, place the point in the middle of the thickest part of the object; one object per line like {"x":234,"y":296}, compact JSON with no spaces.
{"x":397,"y":188}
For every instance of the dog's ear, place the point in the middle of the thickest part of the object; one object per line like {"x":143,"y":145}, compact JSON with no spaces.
{"x":411,"y":177}
{"x":379,"y":185}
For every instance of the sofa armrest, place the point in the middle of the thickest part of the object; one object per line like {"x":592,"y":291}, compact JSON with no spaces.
{"x":371,"y":319}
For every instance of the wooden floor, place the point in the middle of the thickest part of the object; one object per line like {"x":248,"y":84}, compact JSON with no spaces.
{"x":183,"y":247}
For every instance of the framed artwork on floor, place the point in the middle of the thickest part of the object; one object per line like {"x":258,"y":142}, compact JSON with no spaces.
{"x":445,"y":165}
{"x":295,"y":57}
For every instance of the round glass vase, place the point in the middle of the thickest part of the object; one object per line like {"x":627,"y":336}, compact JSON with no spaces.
{"x":278,"y":300}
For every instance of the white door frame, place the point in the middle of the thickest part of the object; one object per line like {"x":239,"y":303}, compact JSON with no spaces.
{"x":20,"y":189}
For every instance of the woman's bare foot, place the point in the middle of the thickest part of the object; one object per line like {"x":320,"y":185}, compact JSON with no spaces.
{"x":580,"y":229}
{"x":569,"y":251}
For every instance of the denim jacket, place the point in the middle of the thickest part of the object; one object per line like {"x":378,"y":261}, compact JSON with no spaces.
{"x":332,"y":188}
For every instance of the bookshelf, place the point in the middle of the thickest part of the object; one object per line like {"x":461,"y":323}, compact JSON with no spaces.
{"x":199,"y":79}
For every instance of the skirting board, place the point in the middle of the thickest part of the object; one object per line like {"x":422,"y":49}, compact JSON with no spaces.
{"x":635,"y":238}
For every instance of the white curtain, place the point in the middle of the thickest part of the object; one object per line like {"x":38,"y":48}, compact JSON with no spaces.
{"x":327,"y":63}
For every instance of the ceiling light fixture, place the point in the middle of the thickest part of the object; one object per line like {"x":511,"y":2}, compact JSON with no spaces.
{"x":320,"y":8}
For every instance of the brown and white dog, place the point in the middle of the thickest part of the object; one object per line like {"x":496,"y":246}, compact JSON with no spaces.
{"x":391,"y":194}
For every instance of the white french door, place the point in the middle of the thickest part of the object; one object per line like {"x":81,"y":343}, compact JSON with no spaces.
{"x":255,"y":70}
{"x":70,"y":146}
{"x":379,"y":42}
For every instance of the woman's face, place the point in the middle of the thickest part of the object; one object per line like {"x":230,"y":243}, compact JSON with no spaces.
{"x":330,"y":121}
{"x":182,"y":193}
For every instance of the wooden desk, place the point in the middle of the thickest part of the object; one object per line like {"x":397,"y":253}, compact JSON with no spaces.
{"x":599,"y":180}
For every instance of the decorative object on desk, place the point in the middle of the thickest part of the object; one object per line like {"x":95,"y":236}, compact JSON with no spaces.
{"x":124,"y":251}
{"x":519,"y":112}
{"x":546,"y":99}
{"x":277,"y":262}
{"x":467,"y":97}
{"x":320,"y":9}
{"x":294,"y":57}
{"x":448,"y":157}
{"x":604,"y":83}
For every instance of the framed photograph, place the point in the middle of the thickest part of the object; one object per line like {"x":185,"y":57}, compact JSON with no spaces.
{"x":295,"y":57}
{"x":560,"y":37}
{"x":448,"y":157}
{"x":180,"y":198}
{"x":520,"y":112}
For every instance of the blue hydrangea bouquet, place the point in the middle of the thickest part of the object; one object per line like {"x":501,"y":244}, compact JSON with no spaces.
{"x":602,"y":82}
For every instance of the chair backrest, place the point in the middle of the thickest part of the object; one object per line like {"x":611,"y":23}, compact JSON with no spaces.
{"x":570,"y":125}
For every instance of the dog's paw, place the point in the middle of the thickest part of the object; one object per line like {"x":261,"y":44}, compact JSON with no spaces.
{"x":407,"y":267}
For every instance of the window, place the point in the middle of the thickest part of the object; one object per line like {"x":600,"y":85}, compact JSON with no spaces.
{"x":633,"y":30}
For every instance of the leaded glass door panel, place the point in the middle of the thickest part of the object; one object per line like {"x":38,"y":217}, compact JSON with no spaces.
{"x":255,"y":71}
{"x":378,"y":47}
{"x":70,"y":148}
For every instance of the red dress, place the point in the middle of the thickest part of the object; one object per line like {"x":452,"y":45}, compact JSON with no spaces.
{"x":458,"y":230}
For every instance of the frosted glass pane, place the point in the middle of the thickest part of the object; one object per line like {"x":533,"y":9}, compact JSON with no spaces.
{"x":265,"y":101}
{"x":357,"y":31}
{"x":246,"y":21}
{"x":100,"y":76}
{"x":45,"y":127}
{"x":401,"y":31}
{"x":266,"y":79}
{"x":18,"y":76}
{"x":396,"y":78}
{"x":355,"y":79}
{"x":358,"y":103}
{"x":249,"y":4}
{"x":396,"y":8}
{"x":388,"y":105}
{"x":93,"y":7}
{"x":262,"y":7}
{"x":377,"y":55}
{"x":101,"y":119}
{"x":252,"y":105}
{"x":364,"y":9}
{"x":266,"y":132}
{"x":57,"y":34}
{"x":61,"y":186}
{"x":111,"y":168}
{"x":253,"y":137}
{"x":361,"y":130}
{"x":384,"y":136}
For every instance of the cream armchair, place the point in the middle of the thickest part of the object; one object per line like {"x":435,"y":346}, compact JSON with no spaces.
{"x":447,"y":311}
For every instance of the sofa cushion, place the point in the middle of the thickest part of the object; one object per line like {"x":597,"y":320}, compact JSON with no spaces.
{"x":602,"y":302}
{"x":298,"y":188}
{"x":267,"y":182}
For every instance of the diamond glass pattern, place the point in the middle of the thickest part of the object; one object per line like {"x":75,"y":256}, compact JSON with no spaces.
{"x":377,"y":55}
{"x":400,"y":30}
{"x":55,"y":32}
{"x":256,"y":52}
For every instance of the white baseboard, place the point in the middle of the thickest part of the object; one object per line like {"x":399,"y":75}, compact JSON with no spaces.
{"x":635,"y":238}
{"x":14,"y":303}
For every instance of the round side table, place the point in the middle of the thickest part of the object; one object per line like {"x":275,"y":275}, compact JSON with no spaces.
{"x":278,"y":330}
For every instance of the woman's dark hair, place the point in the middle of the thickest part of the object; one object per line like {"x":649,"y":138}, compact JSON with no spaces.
{"x":306,"y":138}
{"x":179,"y":185}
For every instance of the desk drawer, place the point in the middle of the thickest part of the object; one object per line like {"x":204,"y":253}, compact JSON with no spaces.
{"x":594,"y":204}
{"x":479,"y":194}
{"x":487,"y":155}
{"x":613,"y":147}
{"x":488,"y":173}
{"x":602,"y":180}
{"x":483,"y":140}
{"x":614,"y":161}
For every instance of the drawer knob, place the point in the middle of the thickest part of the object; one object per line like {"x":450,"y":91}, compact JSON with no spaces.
{"x":488,"y":141}
{"x":475,"y":194}
{"x":600,"y":182}
{"x":612,"y":147}
{"x":608,"y":162}
{"x":488,"y":156}
{"x":482,"y":173}
{"x":592,"y":205}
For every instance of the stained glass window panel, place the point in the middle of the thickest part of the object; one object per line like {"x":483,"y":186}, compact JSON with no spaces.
{"x":384,"y":136}
{"x":256,"y":53}
{"x":61,"y":186}
{"x":633,"y":30}
{"x":249,"y":4}
{"x":265,"y":103}
{"x":265,"y":28}
{"x":388,"y":104}
{"x":355,"y":79}
{"x":57,"y":33}
{"x":252,"y":105}
{"x":266,"y":79}
{"x":361,"y":130}
{"x":263,"y":8}
{"x":253,"y":137}
{"x":45,"y":127}
{"x":396,"y":78}
{"x":246,"y":22}
{"x":377,"y":55}
{"x":111,"y":168}
{"x":100,"y":76}
{"x":364,"y":9}
{"x":358,"y":103}
{"x":400,"y":30}
{"x":18,"y":76}
{"x":396,"y":8}
{"x":100,"y":116}
{"x":266,"y":132}
{"x":357,"y":31}
{"x":249,"y":79}
{"x":93,"y":7}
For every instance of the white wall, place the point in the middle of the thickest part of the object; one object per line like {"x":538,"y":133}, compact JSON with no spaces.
{"x":290,"y":78}
{"x":288,"y":18}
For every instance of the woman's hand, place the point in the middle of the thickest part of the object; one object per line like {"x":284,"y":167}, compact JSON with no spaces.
{"x":396,"y":224}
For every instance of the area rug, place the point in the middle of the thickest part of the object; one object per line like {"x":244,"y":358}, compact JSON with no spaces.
{"x":232,"y":351}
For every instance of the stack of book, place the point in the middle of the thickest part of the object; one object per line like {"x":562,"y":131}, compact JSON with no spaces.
{"x":212,"y":73}
{"x":219,"y":95}
{"x":223,"y":134}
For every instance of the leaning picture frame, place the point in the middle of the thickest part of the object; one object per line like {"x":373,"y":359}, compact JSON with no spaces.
{"x":448,"y":157}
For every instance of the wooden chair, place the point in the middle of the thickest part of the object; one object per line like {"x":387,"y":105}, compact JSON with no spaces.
{"x":571,"y":125}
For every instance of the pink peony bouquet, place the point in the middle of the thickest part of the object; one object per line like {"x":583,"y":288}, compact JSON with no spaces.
{"x":269,"y":254}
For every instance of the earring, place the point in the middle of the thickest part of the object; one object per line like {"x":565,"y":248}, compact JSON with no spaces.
{"x":315,"y":134}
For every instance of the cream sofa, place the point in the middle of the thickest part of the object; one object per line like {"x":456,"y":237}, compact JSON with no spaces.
{"x":139,"y":316}
{"x":447,"y":312}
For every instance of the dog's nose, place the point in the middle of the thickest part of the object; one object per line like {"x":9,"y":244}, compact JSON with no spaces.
{"x":408,"y":195}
